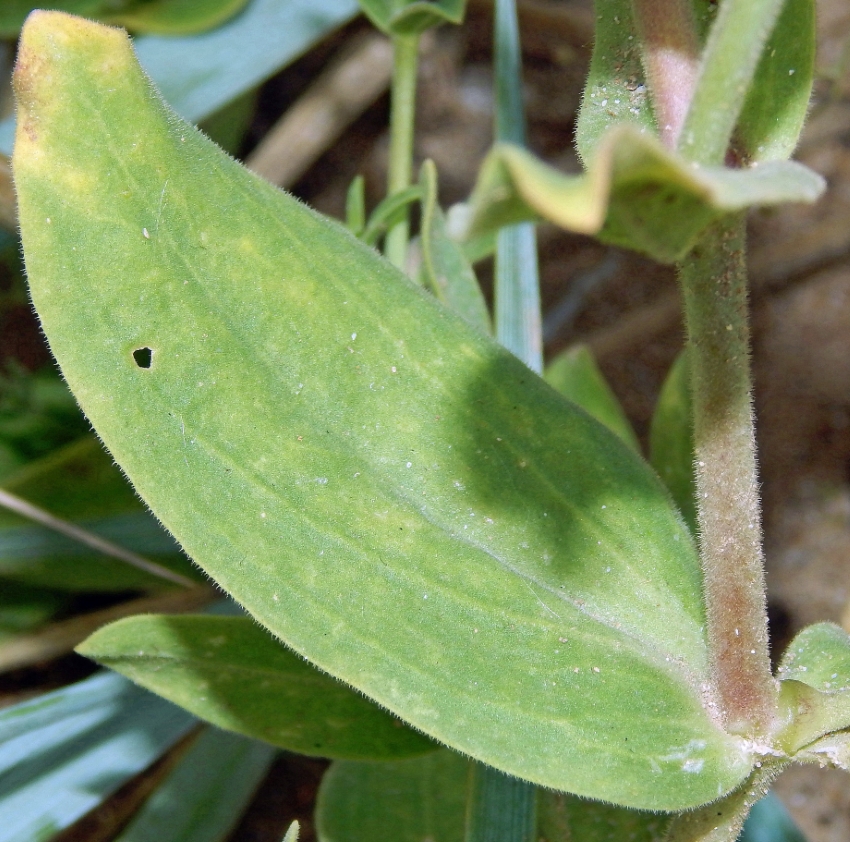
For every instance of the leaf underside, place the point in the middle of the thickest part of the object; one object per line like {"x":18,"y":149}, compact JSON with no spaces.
{"x":382,"y":487}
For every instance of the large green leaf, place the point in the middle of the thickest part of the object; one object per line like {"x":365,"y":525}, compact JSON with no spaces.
{"x":232,"y":673}
{"x":406,"y":800}
{"x":381,"y":486}
{"x":80,"y":483}
{"x":634,"y":194}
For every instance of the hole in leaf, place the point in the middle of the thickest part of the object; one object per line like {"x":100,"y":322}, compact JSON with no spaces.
{"x":143,"y":357}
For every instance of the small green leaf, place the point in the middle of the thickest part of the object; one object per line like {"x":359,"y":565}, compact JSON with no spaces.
{"x":403,"y":17}
{"x":565,"y":818}
{"x":355,"y":206}
{"x":403,"y":801}
{"x":388,"y":212}
{"x":576,"y":376}
{"x":291,"y":835}
{"x":671,"y":439}
{"x":381,"y":486}
{"x":448,"y":273}
{"x":232,"y":673}
{"x":820,"y":657}
{"x":174,"y":17}
{"x":616,"y":89}
{"x":815,"y":688}
{"x":205,"y":795}
{"x":635,"y":193}
{"x":81,"y":483}
{"x":775,"y":109}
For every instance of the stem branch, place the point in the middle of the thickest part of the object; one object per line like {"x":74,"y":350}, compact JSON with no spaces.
{"x":713,"y":279}
{"x":402,"y":113}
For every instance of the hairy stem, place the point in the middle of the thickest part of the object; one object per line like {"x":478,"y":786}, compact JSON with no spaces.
{"x":714,"y":287}
{"x":670,"y":55}
{"x":402,"y":113}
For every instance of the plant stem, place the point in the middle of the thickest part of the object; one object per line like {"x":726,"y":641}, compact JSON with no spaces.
{"x":670,"y":54}
{"x":714,"y":285}
{"x":501,"y":808}
{"x":730,"y":59}
{"x":402,"y":113}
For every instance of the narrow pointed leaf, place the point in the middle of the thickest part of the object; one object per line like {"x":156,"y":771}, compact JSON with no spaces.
{"x":66,"y":752}
{"x":205,"y":795}
{"x":388,"y":213}
{"x":448,"y":273}
{"x":175,"y":17}
{"x":565,"y":818}
{"x":82,"y":484}
{"x":403,"y":17}
{"x":576,"y":376}
{"x":671,"y":440}
{"x":291,"y":835}
{"x":405,"y":801}
{"x":385,"y":489}
{"x":775,"y":109}
{"x":232,"y":673}
{"x":635,"y":193}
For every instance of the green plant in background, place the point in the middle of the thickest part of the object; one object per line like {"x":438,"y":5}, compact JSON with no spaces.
{"x":403,"y":501}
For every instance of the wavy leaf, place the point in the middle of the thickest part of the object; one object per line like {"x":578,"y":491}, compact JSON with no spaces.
{"x":635,"y":193}
{"x":382,"y":487}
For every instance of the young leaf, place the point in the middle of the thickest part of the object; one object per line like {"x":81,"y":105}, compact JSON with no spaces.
{"x":380,"y":485}
{"x":576,"y":376}
{"x":64,"y":753}
{"x":232,"y":673}
{"x":671,"y":439}
{"x":815,"y":673}
{"x":81,"y":483}
{"x":291,"y":835}
{"x":175,"y":17}
{"x":564,"y":818}
{"x":204,"y":796}
{"x":388,"y":212}
{"x":409,"y":17}
{"x":775,"y":109}
{"x":404,"y":800}
{"x":634,"y":194}
{"x":448,"y":273}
